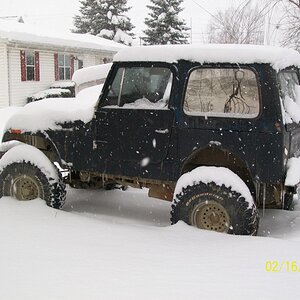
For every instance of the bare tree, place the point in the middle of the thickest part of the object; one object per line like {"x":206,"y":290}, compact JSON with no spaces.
{"x":243,"y":24}
{"x":291,"y":24}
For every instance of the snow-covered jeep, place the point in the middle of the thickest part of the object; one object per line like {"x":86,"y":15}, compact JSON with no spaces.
{"x":213,"y":128}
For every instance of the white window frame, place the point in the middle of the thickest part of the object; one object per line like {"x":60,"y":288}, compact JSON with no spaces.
{"x":27,"y":65}
{"x":64,"y":66}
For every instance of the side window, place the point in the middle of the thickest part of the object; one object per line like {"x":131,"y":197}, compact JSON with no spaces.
{"x":222,"y":92}
{"x":141,"y":88}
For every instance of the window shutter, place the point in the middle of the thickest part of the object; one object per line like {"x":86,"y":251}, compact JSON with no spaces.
{"x":56,"y":66}
{"x":23,"y":65}
{"x":37,"y":66}
{"x":72,"y":65}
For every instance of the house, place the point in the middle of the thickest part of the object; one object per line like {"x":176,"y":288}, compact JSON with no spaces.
{"x":32,"y":59}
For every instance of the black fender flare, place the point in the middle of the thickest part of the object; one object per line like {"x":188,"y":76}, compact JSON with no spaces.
{"x":215,"y":155}
{"x":39,"y":140}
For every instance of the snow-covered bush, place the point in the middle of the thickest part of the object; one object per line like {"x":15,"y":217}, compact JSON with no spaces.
{"x":59,"y":89}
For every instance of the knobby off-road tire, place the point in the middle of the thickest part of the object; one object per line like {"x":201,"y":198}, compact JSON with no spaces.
{"x":288,"y":201}
{"x":25,"y":181}
{"x":215,"y":207}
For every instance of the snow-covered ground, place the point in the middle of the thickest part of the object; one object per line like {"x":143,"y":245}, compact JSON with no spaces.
{"x":120,"y":245}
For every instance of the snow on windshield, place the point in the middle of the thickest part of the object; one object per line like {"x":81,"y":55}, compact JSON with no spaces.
{"x":142,"y":103}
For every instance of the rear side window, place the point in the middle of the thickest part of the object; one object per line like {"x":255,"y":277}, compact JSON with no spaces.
{"x":222,"y":92}
{"x":140,"y":88}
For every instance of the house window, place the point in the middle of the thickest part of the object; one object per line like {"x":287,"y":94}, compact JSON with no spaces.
{"x":29,"y":65}
{"x":80,"y":63}
{"x":64,"y":66}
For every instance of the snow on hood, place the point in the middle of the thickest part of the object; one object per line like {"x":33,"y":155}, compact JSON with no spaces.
{"x":279,"y":58}
{"x":51,"y":112}
{"x":20,"y":32}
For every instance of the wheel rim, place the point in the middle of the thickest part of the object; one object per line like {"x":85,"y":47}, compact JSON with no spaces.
{"x":26,"y":188}
{"x":210,"y":215}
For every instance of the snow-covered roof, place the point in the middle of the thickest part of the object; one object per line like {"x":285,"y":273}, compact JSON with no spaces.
{"x":91,"y":73}
{"x":279,"y":58}
{"x":26,"y":34}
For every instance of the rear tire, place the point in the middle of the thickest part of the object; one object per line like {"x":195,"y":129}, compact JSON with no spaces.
{"x":288,"y":201}
{"x":211,"y":206}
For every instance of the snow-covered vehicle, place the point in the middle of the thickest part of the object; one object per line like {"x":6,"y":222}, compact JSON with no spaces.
{"x":213,"y":128}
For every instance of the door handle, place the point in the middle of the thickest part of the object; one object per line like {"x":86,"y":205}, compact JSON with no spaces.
{"x":97,"y":142}
{"x":163,"y":131}
{"x":102,"y":112}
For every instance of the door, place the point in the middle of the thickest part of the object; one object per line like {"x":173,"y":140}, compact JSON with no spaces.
{"x":134,"y":122}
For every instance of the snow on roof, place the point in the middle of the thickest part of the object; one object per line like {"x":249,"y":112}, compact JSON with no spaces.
{"x":279,"y":58}
{"x":91,"y":73}
{"x":27,"y":34}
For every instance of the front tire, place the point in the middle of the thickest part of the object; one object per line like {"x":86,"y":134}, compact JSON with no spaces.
{"x":26,"y":173}
{"x":25,"y":181}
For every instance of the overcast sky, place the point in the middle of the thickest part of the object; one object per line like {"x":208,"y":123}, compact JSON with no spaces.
{"x":58,"y":14}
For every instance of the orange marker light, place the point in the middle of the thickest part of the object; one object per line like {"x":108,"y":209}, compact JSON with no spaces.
{"x":16,"y":131}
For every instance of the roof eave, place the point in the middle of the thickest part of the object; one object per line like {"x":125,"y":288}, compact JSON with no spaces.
{"x":52,"y":47}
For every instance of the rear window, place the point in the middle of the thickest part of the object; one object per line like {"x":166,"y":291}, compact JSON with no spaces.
{"x":222,"y":92}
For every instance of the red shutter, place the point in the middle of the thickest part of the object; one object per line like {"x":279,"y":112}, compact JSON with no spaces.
{"x":56,"y":66}
{"x":23,"y":65}
{"x":72,"y":65}
{"x":37,"y":66}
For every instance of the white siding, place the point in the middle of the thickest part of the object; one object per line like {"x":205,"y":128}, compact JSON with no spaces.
{"x":89,"y":60}
{"x":96,"y":59}
{"x":4,"y":96}
{"x":20,"y":90}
